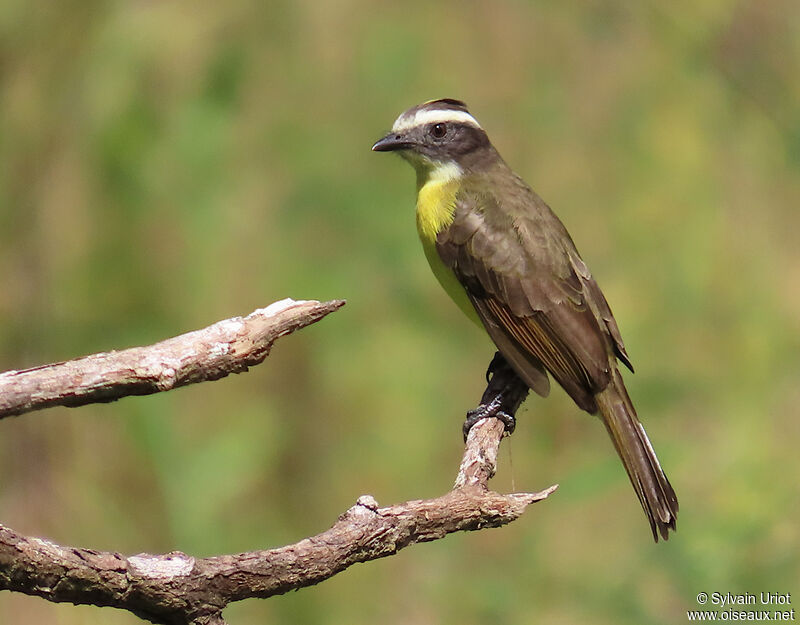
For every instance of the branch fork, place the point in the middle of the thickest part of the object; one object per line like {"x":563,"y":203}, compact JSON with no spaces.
{"x":179,"y":589}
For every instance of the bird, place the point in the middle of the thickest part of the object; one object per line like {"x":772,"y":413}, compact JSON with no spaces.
{"x":509,"y":263}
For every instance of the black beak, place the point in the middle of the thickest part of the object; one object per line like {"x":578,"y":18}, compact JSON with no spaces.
{"x":391,"y":142}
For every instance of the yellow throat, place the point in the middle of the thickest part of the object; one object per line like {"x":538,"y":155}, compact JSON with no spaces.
{"x":436,"y":199}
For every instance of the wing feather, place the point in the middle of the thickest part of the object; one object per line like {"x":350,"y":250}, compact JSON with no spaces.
{"x":531,"y":289}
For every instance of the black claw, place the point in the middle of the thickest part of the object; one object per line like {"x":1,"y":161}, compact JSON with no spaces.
{"x":486,"y":411}
{"x":509,"y":420}
{"x":473,"y":416}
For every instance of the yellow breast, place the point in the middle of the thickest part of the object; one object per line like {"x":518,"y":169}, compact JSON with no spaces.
{"x":436,"y":205}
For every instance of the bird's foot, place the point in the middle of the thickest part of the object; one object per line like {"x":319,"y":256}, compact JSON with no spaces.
{"x":487,"y":411}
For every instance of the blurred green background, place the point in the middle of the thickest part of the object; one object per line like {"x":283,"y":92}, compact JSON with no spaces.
{"x":164,"y":165}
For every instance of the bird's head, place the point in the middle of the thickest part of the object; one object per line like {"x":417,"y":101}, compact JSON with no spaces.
{"x":436,"y":134}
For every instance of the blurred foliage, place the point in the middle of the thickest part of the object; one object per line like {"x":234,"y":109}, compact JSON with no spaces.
{"x":164,"y":165}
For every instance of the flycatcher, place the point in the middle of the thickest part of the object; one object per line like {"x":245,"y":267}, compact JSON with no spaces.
{"x":509,"y":263}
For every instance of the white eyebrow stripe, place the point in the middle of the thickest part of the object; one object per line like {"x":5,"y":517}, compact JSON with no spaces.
{"x":434,"y":116}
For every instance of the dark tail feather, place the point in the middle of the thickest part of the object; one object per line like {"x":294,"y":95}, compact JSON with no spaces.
{"x":651,"y":485}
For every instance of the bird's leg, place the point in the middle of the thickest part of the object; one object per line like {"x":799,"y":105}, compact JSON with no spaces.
{"x":497,"y":362}
{"x":504,"y":393}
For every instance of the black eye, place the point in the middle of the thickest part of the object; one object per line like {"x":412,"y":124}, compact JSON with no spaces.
{"x":438,"y":131}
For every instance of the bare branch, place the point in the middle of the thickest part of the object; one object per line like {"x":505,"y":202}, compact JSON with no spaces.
{"x":229,"y":346}
{"x":176,"y":588}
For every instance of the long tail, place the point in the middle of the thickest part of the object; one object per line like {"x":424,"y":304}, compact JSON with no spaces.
{"x":651,"y":485}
